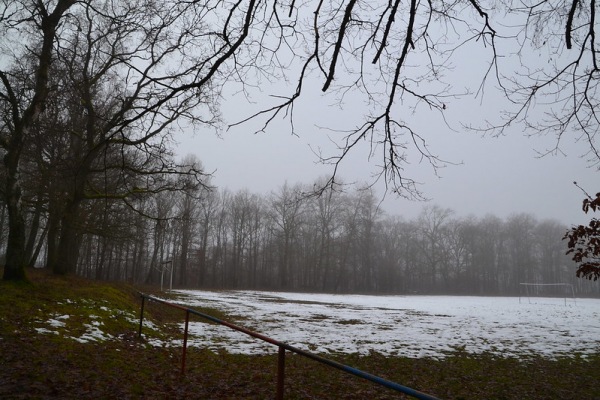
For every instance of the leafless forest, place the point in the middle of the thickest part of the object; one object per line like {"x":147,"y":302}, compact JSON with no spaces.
{"x":338,"y":242}
{"x":92,"y":93}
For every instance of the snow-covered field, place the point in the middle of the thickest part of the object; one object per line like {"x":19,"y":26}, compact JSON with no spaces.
{"x":412,"y":326}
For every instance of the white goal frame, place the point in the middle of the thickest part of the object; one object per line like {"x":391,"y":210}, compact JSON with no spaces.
{"x":567,"y":293}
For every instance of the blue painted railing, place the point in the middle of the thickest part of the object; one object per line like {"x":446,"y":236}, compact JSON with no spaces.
{"x":281,"y":355}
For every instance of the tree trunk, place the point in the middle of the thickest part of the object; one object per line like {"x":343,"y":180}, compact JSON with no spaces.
{"x":16,"y":259}
{"x":3,"y":228}
{"x":53,"y":234}
{"x":202,"y":261}
{"x":33,"y":230}
{"x":15,"y":250}
{"x":69,"y":242}
{"x":183,"y":262}
{"x":38,"y":248}
{"x":15,"y":253}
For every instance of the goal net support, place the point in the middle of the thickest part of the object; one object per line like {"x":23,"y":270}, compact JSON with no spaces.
{"x":557,"y":290}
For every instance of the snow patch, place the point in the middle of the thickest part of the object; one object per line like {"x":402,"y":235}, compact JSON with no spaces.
{"x":55,"y":323}
{"x":45,"y":331}
{"x":93,"y":334}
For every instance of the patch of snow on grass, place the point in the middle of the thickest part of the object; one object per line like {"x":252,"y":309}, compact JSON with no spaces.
{"x":57,"y":322}
{"x":146,"y":323}
{"x":410,"y":326}
{"x":93,"y":334}
{"x":45,"y":331}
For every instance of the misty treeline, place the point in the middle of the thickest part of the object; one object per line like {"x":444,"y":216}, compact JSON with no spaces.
{"x":285,"y":240}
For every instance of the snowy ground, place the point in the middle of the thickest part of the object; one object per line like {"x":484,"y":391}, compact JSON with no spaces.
{"x":412,"y":326}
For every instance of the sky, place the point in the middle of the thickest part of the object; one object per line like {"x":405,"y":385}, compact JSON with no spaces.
{"x":501,"y":176}
{"x":490,"y":175}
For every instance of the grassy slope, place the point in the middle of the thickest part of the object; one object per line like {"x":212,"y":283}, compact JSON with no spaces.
{"x":54,"y":365}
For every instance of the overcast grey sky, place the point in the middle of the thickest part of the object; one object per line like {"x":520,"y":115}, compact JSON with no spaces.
{"x":498,"y":176}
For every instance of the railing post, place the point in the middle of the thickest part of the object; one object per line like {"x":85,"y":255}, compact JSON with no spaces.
{"x":280,"y":372}
{"x":141,"y":317}
{"x":185,"y":337}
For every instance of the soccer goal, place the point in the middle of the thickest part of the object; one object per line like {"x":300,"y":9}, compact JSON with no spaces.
{"x":563,"y":291}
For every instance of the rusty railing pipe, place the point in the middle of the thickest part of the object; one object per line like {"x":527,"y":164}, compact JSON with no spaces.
{"x":284,"y":346}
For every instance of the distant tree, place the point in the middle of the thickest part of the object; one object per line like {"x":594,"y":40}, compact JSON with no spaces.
{"x":488,"y":255}
{"x":584,"y":242}
{"x":243,"y":208}
{"x":551,"y":252}
{"x":324,"y":218}
{"x":286,"y":211}
{"x":187,"y":217}
{"x":520,"y":247}
{"x":206,"y":226}
{"x":365,"y":248}
{"x":432,"y":223}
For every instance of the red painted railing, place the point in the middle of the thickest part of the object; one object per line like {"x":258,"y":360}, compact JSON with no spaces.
{"x":281,"y":354}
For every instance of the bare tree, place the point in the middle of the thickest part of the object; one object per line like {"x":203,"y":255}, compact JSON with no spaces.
{"x":207,"y":211}
{"x":21,"y":106}
{"x":326,"y":212}
{"x":172,"y":58}
{"x":286,"y":207}
{"x":521,"y":251}
{"x":97,"y":46}
{"x":553,"y":268}
{"x":187,"y":216}
{"x":433,"y":223}
{"x":558,"y":96}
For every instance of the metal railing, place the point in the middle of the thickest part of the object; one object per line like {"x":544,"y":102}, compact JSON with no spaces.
{"x":281,"y":354}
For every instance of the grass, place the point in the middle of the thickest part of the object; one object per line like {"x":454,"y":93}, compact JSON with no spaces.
{"x":59,"y":363}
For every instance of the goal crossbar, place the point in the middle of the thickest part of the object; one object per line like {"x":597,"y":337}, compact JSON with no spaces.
{"x":565,"y":295}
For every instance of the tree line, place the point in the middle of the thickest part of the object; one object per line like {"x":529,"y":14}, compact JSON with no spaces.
{"x":337,"y":242}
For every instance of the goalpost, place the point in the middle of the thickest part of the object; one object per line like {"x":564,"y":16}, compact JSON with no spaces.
{"x":563,"y":290}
